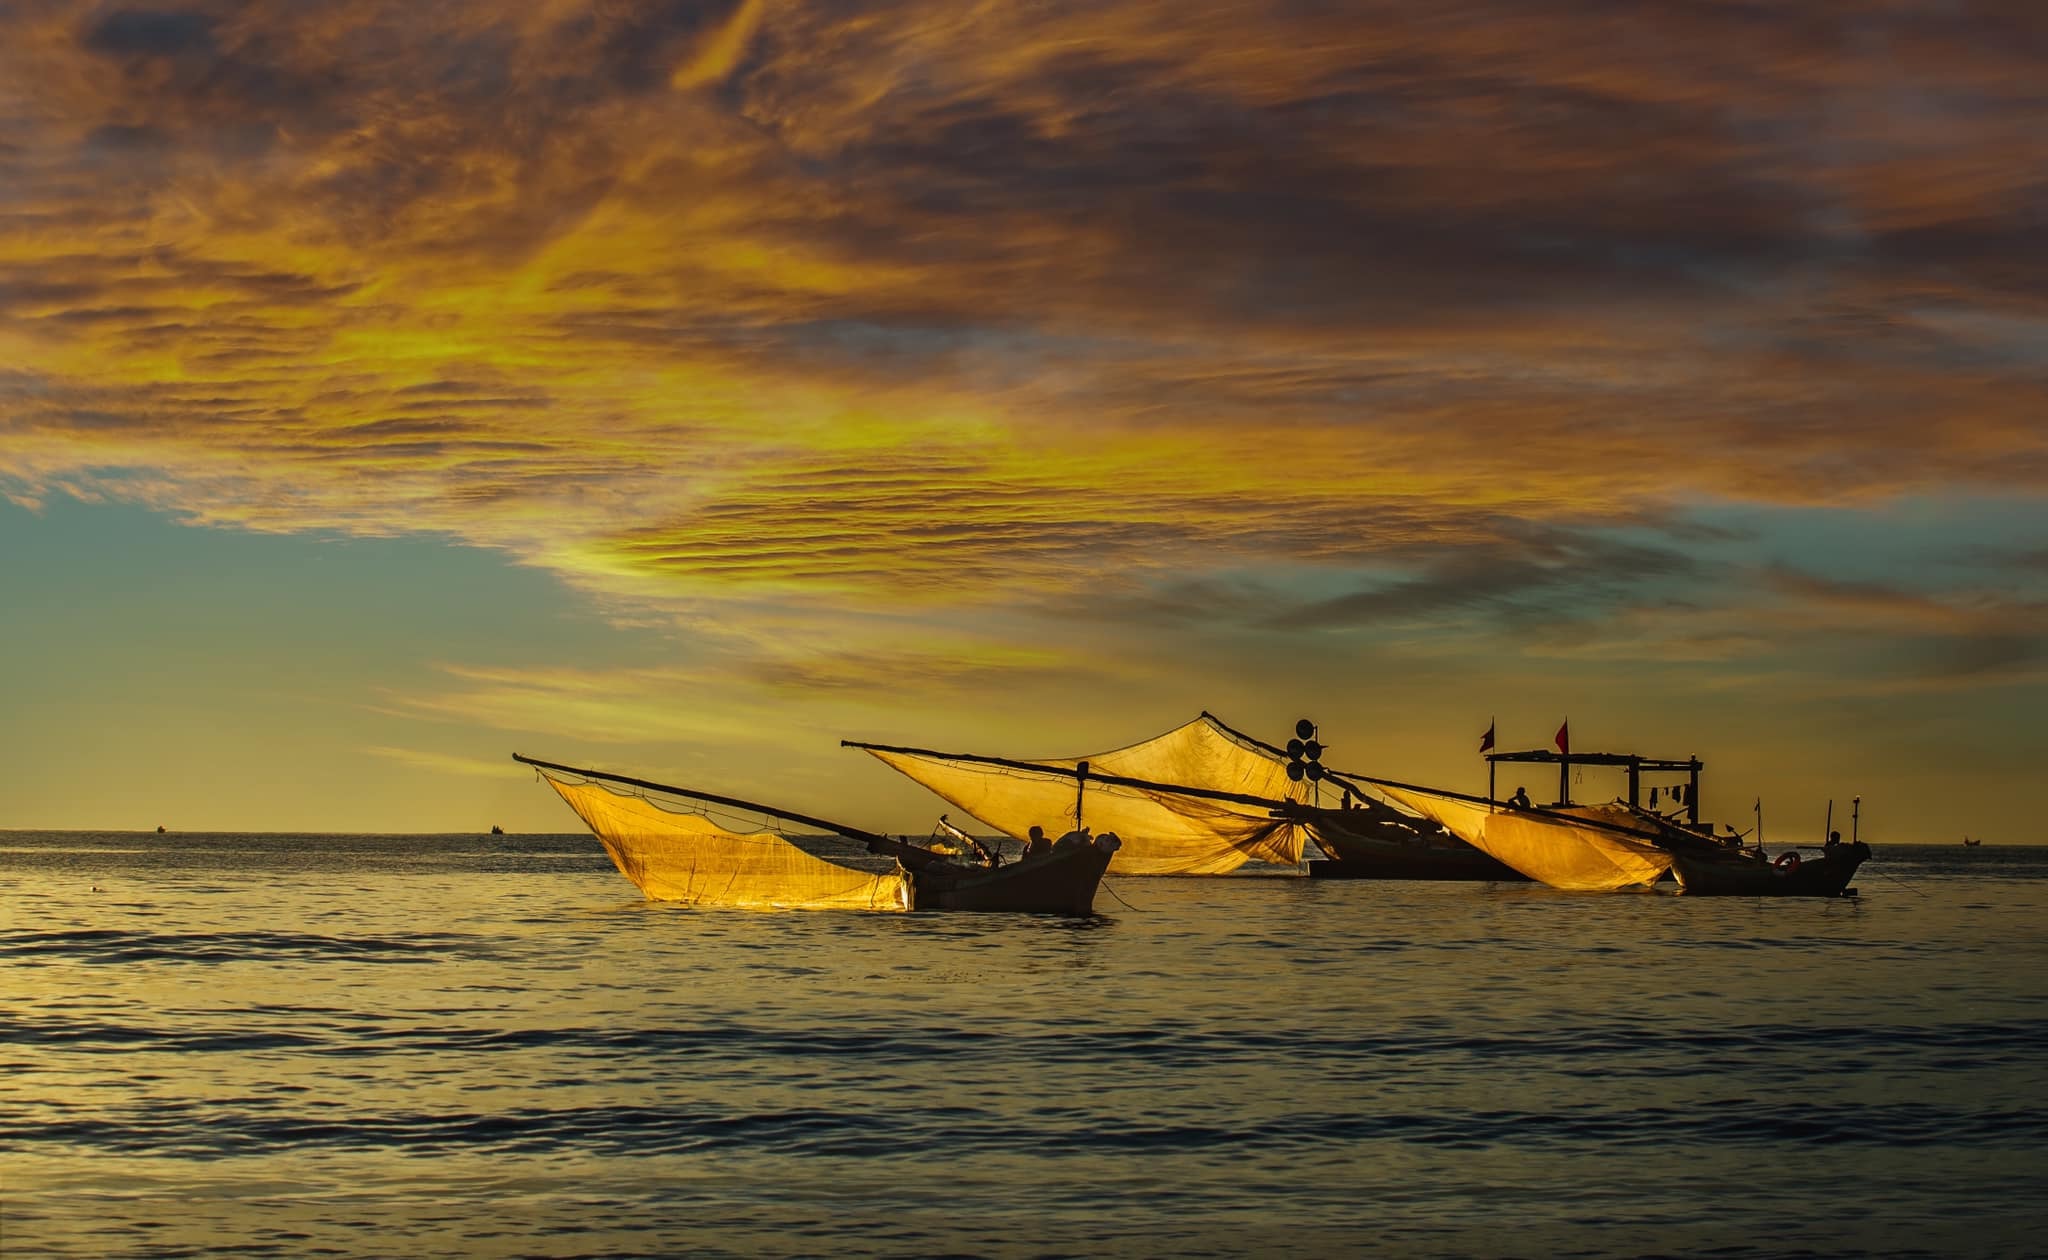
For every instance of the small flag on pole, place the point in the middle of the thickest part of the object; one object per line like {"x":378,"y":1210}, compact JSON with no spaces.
{"x":1486,"y":740}
{"x":1564,"y":737}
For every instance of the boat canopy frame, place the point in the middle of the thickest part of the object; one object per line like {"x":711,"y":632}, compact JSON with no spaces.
{"x":1635,"y":764}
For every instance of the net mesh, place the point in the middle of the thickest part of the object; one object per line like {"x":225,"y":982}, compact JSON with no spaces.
{"x":683,"y":857}
{"x":1461,"y":818}
{"x":1163,"y":833}
{"x":1548,"y":849}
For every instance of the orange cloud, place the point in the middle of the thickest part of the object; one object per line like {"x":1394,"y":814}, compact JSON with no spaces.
{"x":988,"y":309}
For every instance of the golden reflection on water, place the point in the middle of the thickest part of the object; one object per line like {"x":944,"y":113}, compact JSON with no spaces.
{"x":440,"y":1045}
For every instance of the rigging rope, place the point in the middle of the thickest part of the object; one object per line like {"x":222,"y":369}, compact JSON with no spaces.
{"x":1896,"y":880}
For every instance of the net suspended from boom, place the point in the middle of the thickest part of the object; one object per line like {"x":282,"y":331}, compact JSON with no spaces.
{"x":686,"y":857}
{"x":1549,"y":846}
{"x":1163,"y":832}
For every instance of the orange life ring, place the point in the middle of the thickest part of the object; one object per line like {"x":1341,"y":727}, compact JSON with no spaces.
{"x":1787,"y":862}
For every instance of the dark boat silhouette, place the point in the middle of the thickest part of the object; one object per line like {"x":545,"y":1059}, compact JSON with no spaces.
{"x":1620,"y":844}
{"x":672,"y":856}
{"x":1374,"y":841}
{"x":1747,"y":873}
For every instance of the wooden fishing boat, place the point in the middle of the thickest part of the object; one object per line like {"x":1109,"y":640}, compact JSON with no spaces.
{"x":1748,"y":873}
{"x":1621,"y":844}
{"x":1581,"y":848}
{"x":1197,"y":800}
{"x":1061,"y":881}
{"x":1374,"y":841}
{"x":1603,"y":847}
{"x":681,"y":856}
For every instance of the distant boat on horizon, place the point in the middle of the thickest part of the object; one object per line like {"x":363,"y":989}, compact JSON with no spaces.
{"x":1972,"y":844}
{"x":159,"y":829}
{"x":496,"y":830}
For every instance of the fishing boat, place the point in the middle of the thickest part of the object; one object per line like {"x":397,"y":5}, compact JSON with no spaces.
{"x":1579,"y":847}
{"x":1749,"y":873}
{"x":1623,"y":844}
{"x":1967,"y":842}
{"x":1197,"y":800}
{"x":1365,"y":838}
{"x":678,"y":855}
{"x":1375,"y":841}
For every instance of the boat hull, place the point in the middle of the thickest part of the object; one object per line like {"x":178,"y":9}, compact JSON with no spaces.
{"x":1701,"y":875}
{"x":1362,"y":846}
{"x":1060,"y":882}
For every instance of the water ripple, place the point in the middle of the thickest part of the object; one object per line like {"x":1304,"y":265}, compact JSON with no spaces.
{"x":456,"y":1045}
{"x":116,"y":948}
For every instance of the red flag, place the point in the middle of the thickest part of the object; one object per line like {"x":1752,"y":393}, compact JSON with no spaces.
{"x":1564,"y":738}
{"x":1486,"y":740}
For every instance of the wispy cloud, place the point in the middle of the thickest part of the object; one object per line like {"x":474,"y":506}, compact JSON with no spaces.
{"x":985,"y":310}
{"x":440,"y":763}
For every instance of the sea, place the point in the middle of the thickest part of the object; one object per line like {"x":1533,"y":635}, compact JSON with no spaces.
{"x":459,"y":1045}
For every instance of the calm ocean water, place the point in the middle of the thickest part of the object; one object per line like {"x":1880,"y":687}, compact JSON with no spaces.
{"x":461,"y":1045}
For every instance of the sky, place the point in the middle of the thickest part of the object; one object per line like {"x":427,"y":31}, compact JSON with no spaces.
{"x":679,"y":388}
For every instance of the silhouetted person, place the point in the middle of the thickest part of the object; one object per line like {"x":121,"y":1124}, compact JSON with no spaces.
{"x":1834,"y":838}
{"x":1037,"y":843}
{"x":1520,"y":800}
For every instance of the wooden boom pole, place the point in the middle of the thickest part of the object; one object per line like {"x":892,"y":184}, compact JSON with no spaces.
{"x":851,"y":833}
